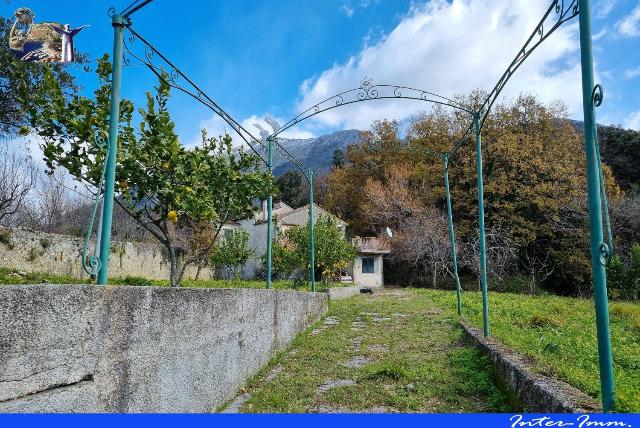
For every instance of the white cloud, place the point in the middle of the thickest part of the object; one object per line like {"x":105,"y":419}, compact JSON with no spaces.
{"x":603,"y":8}
{"x":633,"y":121}
{"x":600,"y":34}
{"x":215,"y":127}
{"x":347,"y":9}
{"x":452,"y":48}
{"x":28,"y":145}
{"x":630,"y":25}
{"x":632,"y":72}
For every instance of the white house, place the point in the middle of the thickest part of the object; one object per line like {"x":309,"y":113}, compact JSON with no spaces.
{"x":366,"y":270}
{"x":284,"y":217}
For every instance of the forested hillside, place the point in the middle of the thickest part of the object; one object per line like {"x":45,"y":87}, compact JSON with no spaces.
{"x":535,"y":198}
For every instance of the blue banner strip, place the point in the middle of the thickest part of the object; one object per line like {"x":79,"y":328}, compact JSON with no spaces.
{"x":325,"y":421}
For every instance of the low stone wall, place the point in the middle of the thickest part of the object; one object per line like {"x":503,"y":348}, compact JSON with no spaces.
{"x":32,"y":251}
{"x":72,"y":348}
{"x":338,"y":293}
{"x":538,"y":393}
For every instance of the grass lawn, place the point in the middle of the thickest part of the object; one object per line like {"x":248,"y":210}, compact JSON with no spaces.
{"x":395,"y":351}
{"x":411,"y":357}
{"x":559,"y":335}
{"x":12,"y":276}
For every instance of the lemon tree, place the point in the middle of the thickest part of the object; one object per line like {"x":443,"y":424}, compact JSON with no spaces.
{"x":181,"y":196}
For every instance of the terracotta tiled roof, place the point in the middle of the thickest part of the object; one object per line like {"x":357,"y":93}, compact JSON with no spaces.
{"x":319,"y":209}
{"x":372,"y":245}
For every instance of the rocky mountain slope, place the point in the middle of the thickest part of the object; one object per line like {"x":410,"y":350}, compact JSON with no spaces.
{"x":315,"y":153}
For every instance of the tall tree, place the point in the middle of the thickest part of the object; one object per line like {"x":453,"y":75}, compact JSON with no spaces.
{"x":292,"y":188}
{"x":534,"y":176}
{"x":17,"y":179}
{"x":621,"y":151}
{"x":339,"y":158}
{"x":379,"y":150}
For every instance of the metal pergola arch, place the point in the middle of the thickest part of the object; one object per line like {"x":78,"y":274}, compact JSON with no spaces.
{"x":558,"y":12}
{"x":194,"y":91}
{"x":368,"y":92}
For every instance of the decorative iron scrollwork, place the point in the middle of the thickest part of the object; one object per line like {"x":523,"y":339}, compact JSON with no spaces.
{"x":366,"y":83}
{"x":597,"y":95}
{"x":100,"y":140}
{"x":605,"y":254}
{"x":368,"y":91}
{"x":556,"y":14}
{"x":148,"y":53}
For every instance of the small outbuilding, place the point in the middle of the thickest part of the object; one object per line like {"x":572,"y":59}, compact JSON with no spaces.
{"x":368,"y":267}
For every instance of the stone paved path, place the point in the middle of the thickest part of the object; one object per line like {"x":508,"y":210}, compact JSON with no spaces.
{"x":394,"y":351}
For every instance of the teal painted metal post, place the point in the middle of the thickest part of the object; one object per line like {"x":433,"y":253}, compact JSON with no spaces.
{"x":598,"y":248}
{"x":96,"y":250}
{"x":483,"y":246}
{"x":269,"y":216}
{"x":312,"y":245}
{"x":452,"y":237}
{"x":110,"y":176}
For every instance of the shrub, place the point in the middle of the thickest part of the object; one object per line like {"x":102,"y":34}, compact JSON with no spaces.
{"x":542,"y":321}
{"x":137,"y":281}
{"x":332,"y":254}
{"x":34,"y":254}
{"x":623,"y":279}
{"x":617,"y":277}
{"x":232,"y":253}
{"x":5,"y":238}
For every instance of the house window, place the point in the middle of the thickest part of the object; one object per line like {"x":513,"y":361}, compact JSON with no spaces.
{"x":367,"y":265}
{"x":228,"y":234}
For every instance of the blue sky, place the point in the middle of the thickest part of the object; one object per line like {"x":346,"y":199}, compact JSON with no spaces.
{"x":276,"y":57}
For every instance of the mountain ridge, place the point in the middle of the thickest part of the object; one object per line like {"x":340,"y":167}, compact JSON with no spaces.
{"x":315,"y":153}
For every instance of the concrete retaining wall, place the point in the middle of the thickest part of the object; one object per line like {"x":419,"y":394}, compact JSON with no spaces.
{"x":70,"y":348}
{"x":338,"y":293}
{"x":31,"y":251}
{"x":538,"y":393}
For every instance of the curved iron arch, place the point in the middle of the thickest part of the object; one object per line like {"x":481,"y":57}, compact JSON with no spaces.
{"x":370,"y":92}
{"x":191,"y":89}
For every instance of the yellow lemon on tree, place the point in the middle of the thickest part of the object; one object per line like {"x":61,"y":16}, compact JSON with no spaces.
{"x":165,"y":166}
{"x":172,"y":216}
